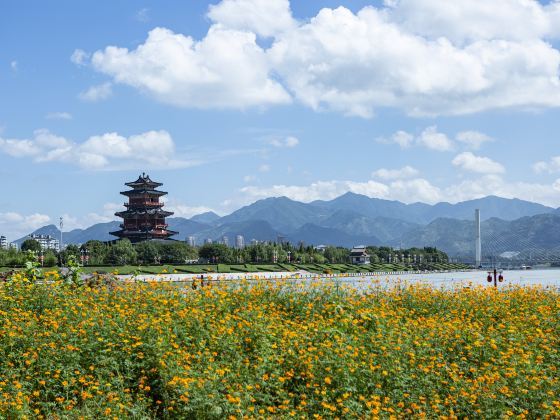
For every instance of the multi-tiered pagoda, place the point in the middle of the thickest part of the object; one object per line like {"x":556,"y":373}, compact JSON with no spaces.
{"x":144,"y":217}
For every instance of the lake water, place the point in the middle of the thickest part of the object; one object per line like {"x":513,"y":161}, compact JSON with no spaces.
{"x":546,"y":278}
{"x":446,"y":280}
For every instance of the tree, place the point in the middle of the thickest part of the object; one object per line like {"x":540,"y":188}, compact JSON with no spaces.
{"x":121,"y":253}
{"x":147,"y":253}
{"x":70,"y":250}
{"x":31,"y":245}
{"x":97,"y":252}
{"x":216,"y":253}
{"x":50,"y":258}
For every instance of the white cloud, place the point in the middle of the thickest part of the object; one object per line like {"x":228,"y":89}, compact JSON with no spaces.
{"x":182,"y":210}
{"x":479,"y":164}
{"x":79,"y":57}
{"x":263,"y":17}
{"x":402,"y":138}
{"x":286,"y":142}
{"x":152,"y":149}
{"x":264,"y":168}
{"x":249,"y":178}
{"x":402,"y":173}
{"x":14,"y":65}
{"x":409,"y":191}
{"x":394,"y":67}
{"x":430,"y":137}
{"x":58,"y":116}
{"x":473,"y":139}
{"x":227,"y":69}
{"x":424,"y":57}
{"x":552,"y":166}
{"x":97,"y":93}
{"x":14,"y":225}
{"x":405,"y":190}
{"x":434,"y":140}
{"x":465,"y":21}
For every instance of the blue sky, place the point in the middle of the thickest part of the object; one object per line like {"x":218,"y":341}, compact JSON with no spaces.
{"x":231,"y":101}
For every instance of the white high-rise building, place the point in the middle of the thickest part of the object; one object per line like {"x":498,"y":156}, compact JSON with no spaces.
{"x":239,"y":242}
{"x":225,"y":240}
{"x":3,"y":242}
{"x":208,"y":241}
{"x":191,"y":240}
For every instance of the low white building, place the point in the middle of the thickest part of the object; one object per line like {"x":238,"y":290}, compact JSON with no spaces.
{"x":359,"y":255}
{"x":46,"y":242}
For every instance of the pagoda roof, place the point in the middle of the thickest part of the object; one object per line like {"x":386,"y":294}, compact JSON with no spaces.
{"x":143,"y":180}
{"x":143,"y":191}
{"x":142,"y":211}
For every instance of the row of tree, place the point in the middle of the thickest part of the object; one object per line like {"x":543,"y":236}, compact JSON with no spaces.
{"x":123,"y":252}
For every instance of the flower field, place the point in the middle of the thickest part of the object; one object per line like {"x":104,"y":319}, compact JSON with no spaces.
{"x":277,"y":350}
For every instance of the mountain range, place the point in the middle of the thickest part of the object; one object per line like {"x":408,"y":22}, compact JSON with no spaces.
{"x":509,"y":225}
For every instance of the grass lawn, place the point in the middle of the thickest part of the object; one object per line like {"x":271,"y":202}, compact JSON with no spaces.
{"x":256,"y":267}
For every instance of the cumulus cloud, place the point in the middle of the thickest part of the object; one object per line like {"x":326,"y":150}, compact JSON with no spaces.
{"x":434,"y":140}
{"x":286,"y":142}
{"x":402,"y":173}
{"x":152,"y":149}
{"x":423,"y":57}
{"x":97,"y":93}
{"x":263,"y":17}
{"x":264,"y":168}
{"x":466,"y":21}
{"x":473,"y":139}
{"x":479,"y":164}
{"x":227,"y":69}
{"x":552,"y":166}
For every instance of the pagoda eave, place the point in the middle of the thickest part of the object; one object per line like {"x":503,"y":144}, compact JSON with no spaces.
{"x":131,"y":193}
{"x":149,"y":212}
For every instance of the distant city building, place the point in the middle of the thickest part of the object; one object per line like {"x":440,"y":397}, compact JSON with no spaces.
{"x":191,"y":240}
{"x":254,"y":242}
{"x":207,"y":241}
{"x":46,"y":241}
{"x":3,"y":242}
{"x":13,"y":245}
{"x":225,"y":240}
{"x":320,"y":248}
{"x":359,"y":255}
{"x":281,"y":240}
{"x":239,"y":242}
